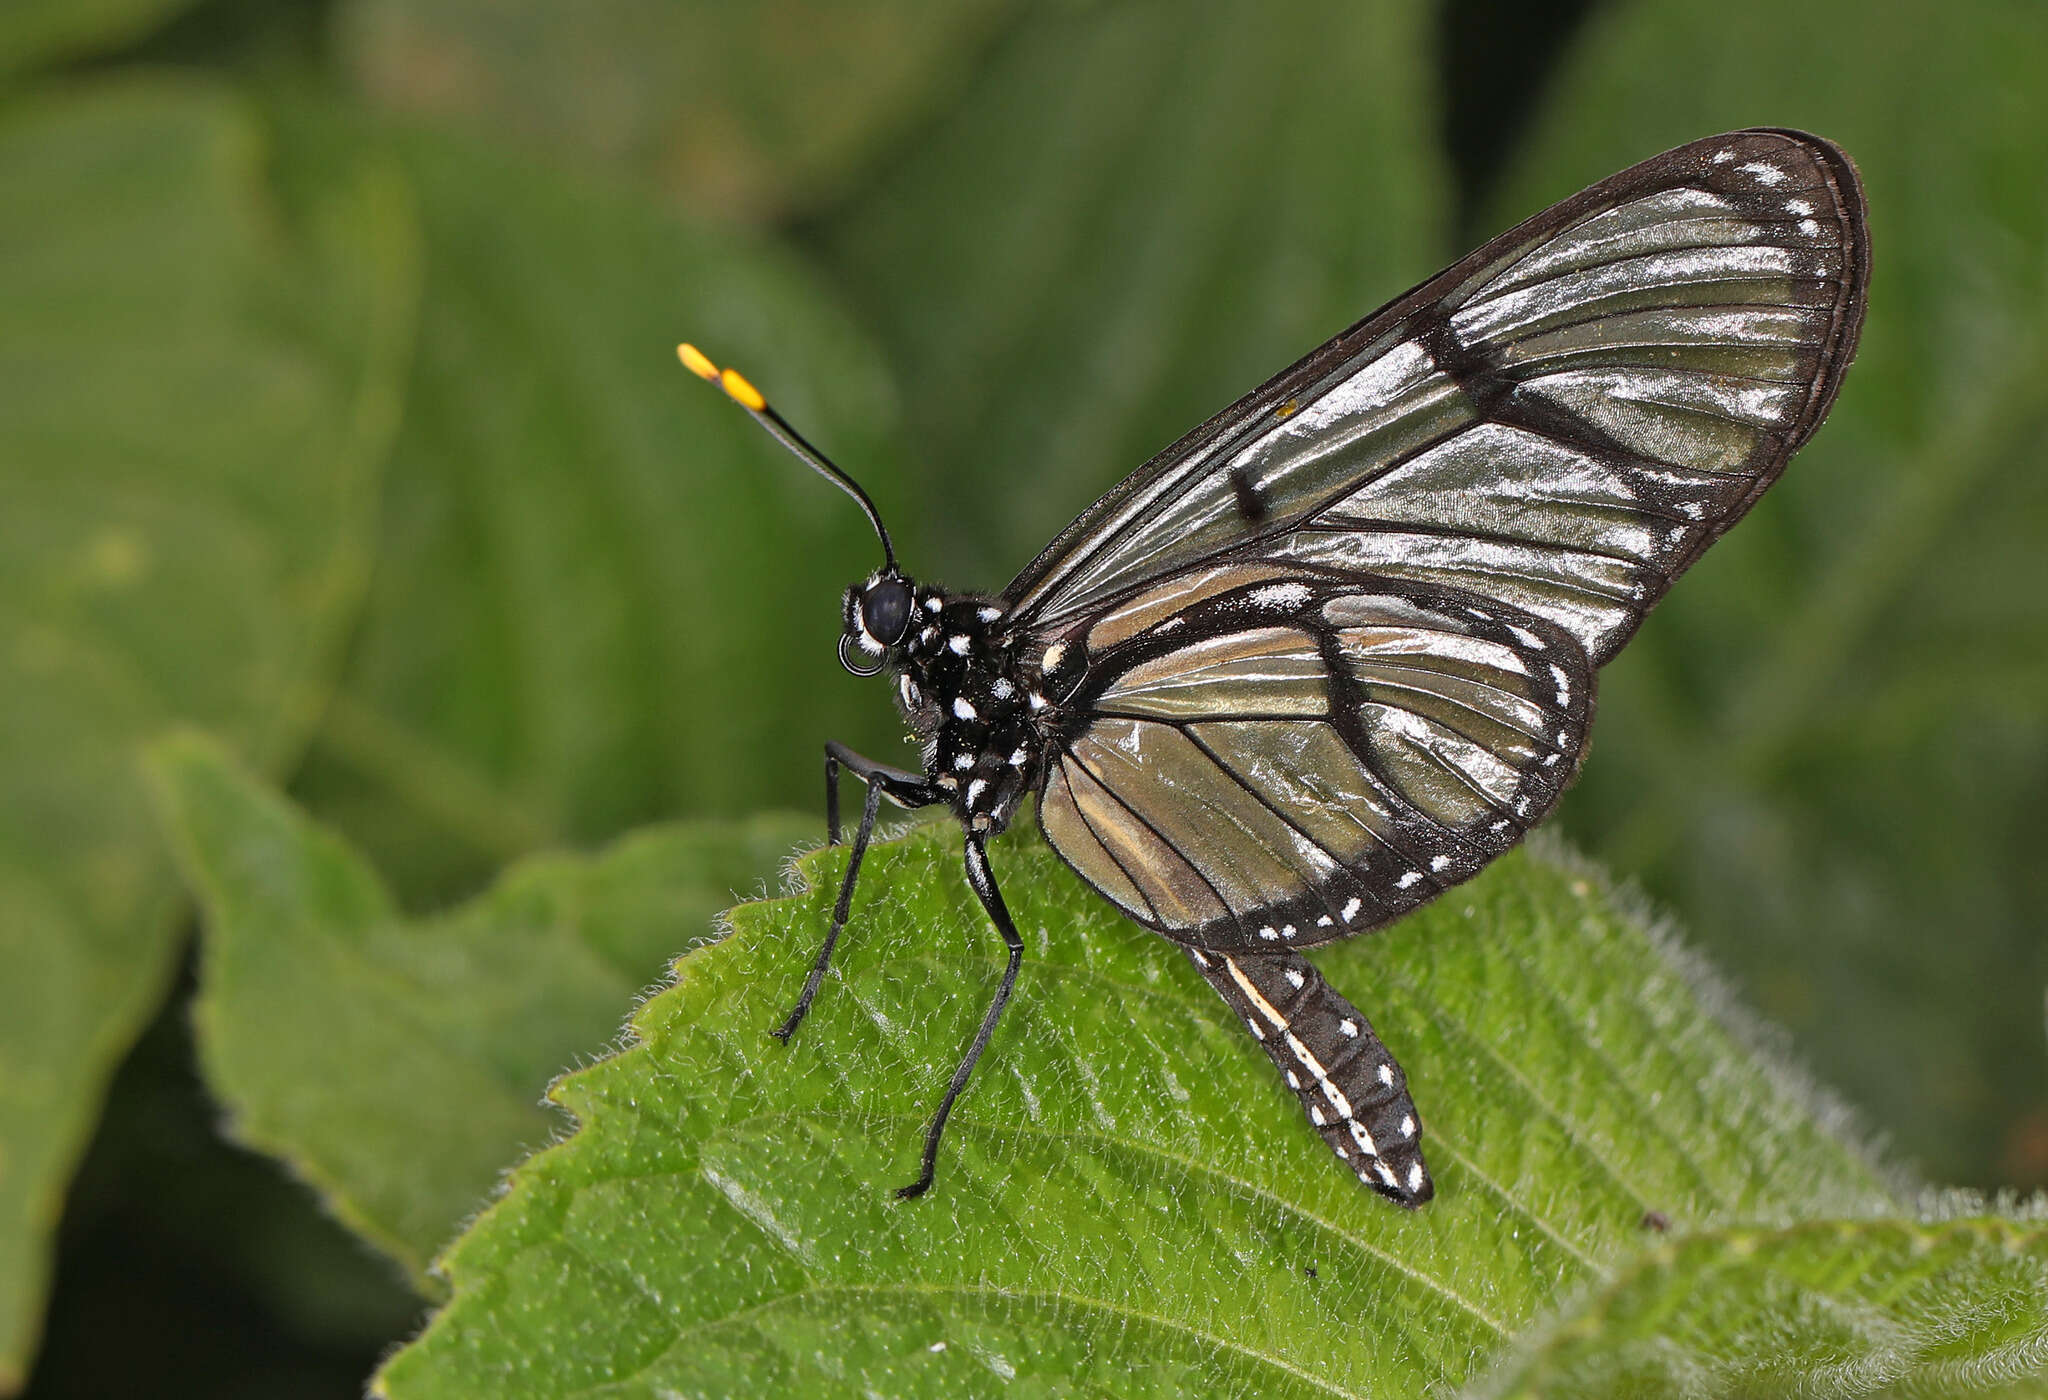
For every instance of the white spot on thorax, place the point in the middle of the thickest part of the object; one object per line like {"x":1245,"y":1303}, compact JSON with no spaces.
{"x":1001,"y":688}
{"x":962,"y":709}
{"x":989,"y":614}
{"x":975,"y":789}
{"x":957,"y":644}
{"x":963,"y":761}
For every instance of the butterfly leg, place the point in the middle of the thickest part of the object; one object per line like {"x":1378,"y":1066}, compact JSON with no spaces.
{"x":1353,"y":1091}
{"x":905,"y":788}
{"x":984,"y":883}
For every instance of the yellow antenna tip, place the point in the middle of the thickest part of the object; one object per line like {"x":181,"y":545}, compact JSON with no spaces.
{"x":695,"y":361}
{"x":735,"y":384}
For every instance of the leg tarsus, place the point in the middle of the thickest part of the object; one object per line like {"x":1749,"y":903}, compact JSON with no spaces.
{"x":983,"y":881}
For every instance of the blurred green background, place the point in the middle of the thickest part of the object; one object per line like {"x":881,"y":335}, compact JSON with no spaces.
{"x":339,"y":416}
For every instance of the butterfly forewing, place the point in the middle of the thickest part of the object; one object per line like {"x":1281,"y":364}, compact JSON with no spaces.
{"x":1291,"y":760}
{"x":1561,"y":421}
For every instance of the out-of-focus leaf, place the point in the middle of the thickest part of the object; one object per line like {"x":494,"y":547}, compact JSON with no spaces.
{"x":1128,"y":1202}
{"x":741,"y":110}
{"x":398,"y":1065}
{"x":34,"y":32}
{"x":1830,"y":748}
{"x":1140,"y":212}
{"x":603,"y":593}
{"x":197,"y":384}
{"x":1823,"y":1308}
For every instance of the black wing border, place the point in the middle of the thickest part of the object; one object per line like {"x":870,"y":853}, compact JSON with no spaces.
{"x":1420,"y":303}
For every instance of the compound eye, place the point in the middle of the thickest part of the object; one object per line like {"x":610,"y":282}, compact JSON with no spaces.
{"x":885,"y":611}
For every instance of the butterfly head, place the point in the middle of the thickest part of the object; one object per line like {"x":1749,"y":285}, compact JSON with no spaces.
{"x":875,"y":614}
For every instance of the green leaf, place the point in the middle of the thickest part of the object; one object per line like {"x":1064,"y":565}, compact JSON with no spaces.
{"x":603,"y":595}
{"x":1127,"y":1201}
{"x":1139,"y":212}
{"x":729,"y":108}
{"x":1829,"y":747}
{"x":1826,"y":1307}
{"x":200,"y":377}
{"x":35,"y":33}
{"x":398,"y":1064}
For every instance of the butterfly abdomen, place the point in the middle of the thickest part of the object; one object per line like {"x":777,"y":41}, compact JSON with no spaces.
{"x":1349,"y":1085}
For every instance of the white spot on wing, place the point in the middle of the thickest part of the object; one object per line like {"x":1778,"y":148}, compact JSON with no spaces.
{"x":1280,"y":595}
{"x":1295,"y":978}
{"x":1350,"y":911}
{"x":1349,"y":1027}
{"x":1765,"y":173}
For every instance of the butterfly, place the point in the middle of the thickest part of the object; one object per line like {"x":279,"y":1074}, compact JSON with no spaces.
{"x":1334,"y":650}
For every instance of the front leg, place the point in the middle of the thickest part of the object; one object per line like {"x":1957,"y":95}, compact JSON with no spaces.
{"x":984,"y":883}
{"x":905,"y":789}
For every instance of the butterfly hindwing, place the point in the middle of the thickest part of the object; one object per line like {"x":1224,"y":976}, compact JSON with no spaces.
{"x":1273,"y":761}
{"x":1561,"y":421}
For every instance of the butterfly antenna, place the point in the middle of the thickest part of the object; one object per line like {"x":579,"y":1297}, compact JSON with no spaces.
{"x":743,"y":393}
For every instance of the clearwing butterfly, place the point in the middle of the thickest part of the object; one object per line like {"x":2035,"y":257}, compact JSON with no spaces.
{"x":1333,"y":651}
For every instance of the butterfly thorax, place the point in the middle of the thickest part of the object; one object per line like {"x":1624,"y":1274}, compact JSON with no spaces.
{"x":976,"y":705}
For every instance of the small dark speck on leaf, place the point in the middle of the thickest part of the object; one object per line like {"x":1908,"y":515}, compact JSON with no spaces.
{"x":1656,"y":1220}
